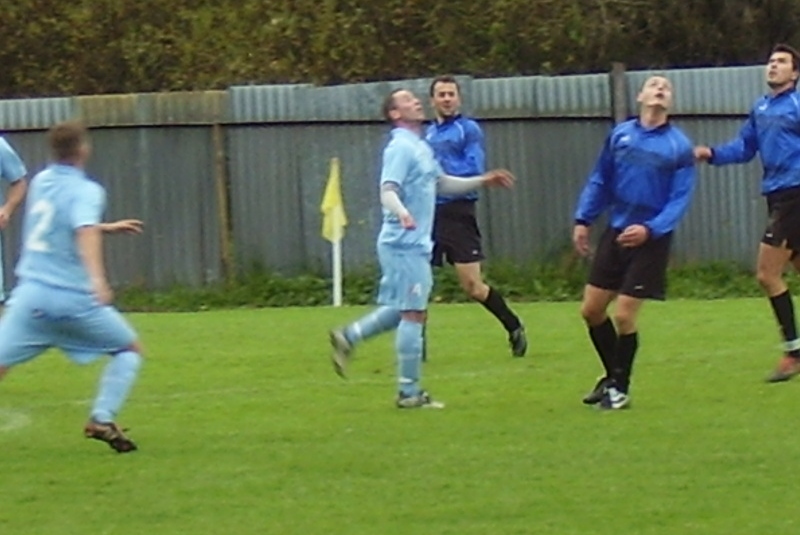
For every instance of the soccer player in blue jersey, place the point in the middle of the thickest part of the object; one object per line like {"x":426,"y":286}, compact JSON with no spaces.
{"x":458,"y":145}
{"x":773,"y":131}
{"x":410,"y":178}
{"x":13,"y":171}
{"x":643,"y":178}
{"x":62,"y":298}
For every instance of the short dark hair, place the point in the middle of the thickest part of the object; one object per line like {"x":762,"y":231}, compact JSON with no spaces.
{"x":389,"y":105}
{"x":782,"y":47}
{"x":66,"y":138}
{"x":443,"y":79}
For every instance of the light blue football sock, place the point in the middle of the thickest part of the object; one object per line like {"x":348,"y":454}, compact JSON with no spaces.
{"x":115,"y":383}
{"x":380,"y":320}
{"x":409,"y":356}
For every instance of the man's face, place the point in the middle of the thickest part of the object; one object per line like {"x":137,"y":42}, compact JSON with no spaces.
{"x":445,"y":100}
{"x":407,"y":108}
{"x":780,"y":72}
{"x":656,"y":93}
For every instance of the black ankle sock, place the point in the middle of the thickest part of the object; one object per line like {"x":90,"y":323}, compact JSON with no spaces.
{"x":783,"y":308}
{"x":627,"y":344}
{"x":604,"y":338}
{"x":495,"y":304}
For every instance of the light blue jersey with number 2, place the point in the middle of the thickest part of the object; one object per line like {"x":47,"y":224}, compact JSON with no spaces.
{"x":61,"y":199}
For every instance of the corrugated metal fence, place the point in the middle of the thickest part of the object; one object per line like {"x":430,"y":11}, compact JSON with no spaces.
{"x":230,"y":179}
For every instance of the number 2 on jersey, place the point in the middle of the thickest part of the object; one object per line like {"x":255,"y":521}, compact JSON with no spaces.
{"x":45,"y":211}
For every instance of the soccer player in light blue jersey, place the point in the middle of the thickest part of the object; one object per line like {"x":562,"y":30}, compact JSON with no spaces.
{"x":410,"y":179}
{"x":13,"y":171}
{"x":62,"y":298}
{"x":644,"y":180}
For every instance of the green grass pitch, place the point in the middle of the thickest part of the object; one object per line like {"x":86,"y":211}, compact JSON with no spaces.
{"x":244,"y":428}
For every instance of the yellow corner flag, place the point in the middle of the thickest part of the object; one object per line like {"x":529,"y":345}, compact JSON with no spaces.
{"x":333,"y":217}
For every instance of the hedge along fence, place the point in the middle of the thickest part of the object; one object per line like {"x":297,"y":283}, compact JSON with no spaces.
{"x":117,"y":46}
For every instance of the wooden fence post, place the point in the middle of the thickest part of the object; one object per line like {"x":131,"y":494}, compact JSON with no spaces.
{"x":619,"y":92}
{"x":223,"y":204}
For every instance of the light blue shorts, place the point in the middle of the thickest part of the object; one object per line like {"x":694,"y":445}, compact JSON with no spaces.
{"x":38,"y":317}
{"x":406,"y":278}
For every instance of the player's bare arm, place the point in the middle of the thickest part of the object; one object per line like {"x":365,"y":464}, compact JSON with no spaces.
{"x":90,"y":247}
{"x":499,"y":177}
{"x":14,"y":196}
{"x":580,"y":239}
{"x":123,"y":226}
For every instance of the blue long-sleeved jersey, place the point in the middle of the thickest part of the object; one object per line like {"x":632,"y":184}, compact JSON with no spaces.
{"x":458,"y":145}
{"x":772,"y":130}
{"x":643,"y":176}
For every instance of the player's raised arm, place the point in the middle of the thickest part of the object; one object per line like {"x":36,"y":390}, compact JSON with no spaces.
{"x":495,"y":178}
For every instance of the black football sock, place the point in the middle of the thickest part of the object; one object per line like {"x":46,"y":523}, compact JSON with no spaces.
{"x":627,"y":344}
{"x":783,"y":308}
{"x":604,"y":338}
{"x":495,"y":304}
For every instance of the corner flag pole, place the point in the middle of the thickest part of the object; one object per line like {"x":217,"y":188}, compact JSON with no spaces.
{"x":336,"y":267}
{"x":333,"y":222}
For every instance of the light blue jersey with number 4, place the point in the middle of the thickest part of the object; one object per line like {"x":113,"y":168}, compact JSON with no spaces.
{"x":409,"y":164}
{"x":61,"y":199}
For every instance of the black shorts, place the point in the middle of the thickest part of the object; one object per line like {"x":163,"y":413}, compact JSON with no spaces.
{"x":456,"y":237}
{"x":639,"y":272}
{"x":783,"y":229}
